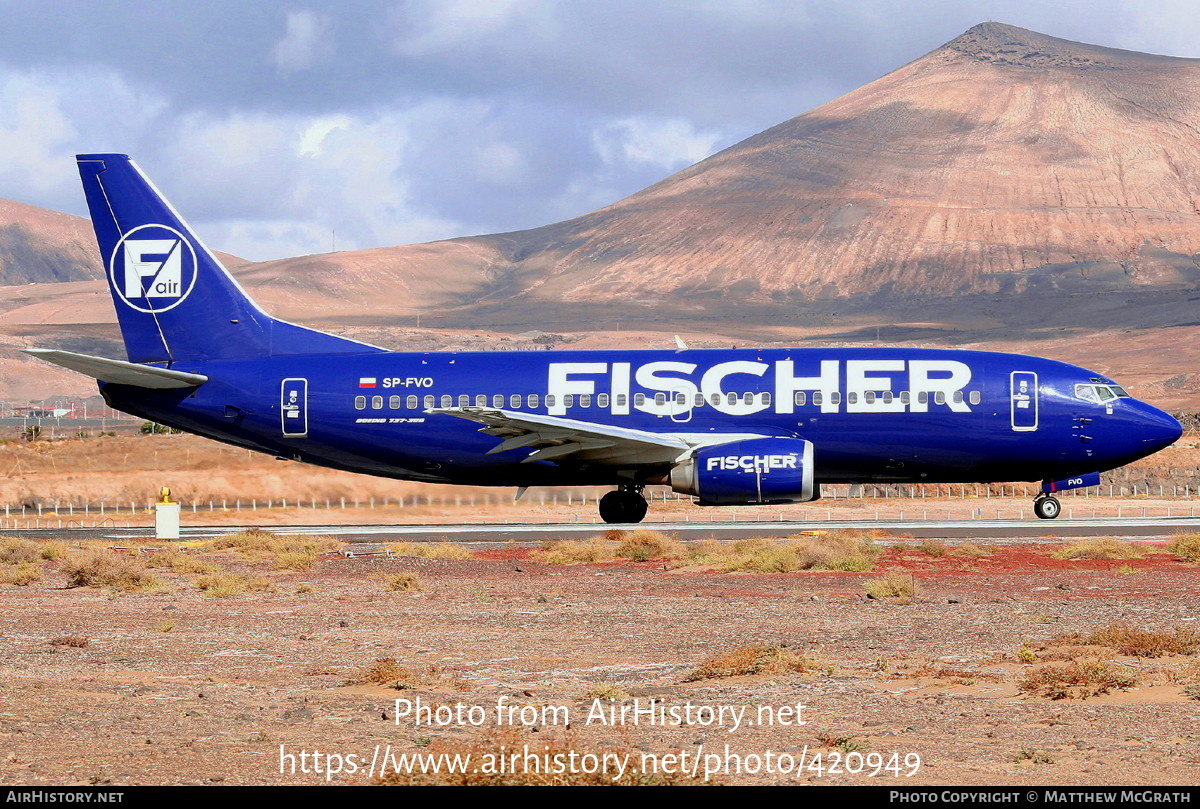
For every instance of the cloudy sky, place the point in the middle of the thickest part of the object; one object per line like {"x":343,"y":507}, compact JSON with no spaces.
{"x":273,"y":125}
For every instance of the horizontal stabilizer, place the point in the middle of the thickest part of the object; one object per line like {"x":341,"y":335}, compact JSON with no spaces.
{"x":120,"y":372}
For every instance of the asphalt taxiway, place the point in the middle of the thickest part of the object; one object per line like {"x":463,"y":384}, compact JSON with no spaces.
{"x":992,"y":530}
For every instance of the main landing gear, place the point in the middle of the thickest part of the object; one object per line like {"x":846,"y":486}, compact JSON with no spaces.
{"x":626,"y":504}
{"x":1046,"y":507}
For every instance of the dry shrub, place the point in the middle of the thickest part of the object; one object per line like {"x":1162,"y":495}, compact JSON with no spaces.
{"x":931,"y":547}
{"x":387,"y":671}
{"x":430,"y":550}
{"x":970,"y":549}
{"x":644,"y":544}
{"x":258,"y":543}
{"x":96,"y":568}
{"x":611,"y":692}
{"x":563,"y":552}
{"x":1186,"y":547}
{"x":834,"y":551}
{"x":53,"y":550}
{"x":1078,"y":679}
{"x":759,"y":658}
{"x":403,"y":582}
{"x":74,"y":641}
{"x":1134,"y":642}
{"x":1100,"y":548}
{"x":955,"y":674}
{"x":20,"y":574}
{"x":550,"y":747}
{"x":893,"y":585}
{"x":225,"y":585}
{"x":292,"y":560}
{"x":178,"y":562}
{"x":14,"y":551}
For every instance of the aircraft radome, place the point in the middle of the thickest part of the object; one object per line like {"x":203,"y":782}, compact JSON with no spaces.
{"x":730,"y":427}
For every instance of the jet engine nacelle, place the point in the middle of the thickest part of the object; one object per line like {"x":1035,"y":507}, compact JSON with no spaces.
{"x":751,"y":472}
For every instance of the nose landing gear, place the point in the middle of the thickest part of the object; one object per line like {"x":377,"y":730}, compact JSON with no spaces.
{"x":1046,"y":507}
{"x":626,"y":504}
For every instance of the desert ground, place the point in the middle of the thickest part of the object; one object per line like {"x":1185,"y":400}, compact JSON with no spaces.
{"x":263,"y":659}
{"x":1007,"y":666}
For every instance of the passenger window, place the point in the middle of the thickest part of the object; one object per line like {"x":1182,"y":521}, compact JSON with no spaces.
{"x":800,"y":398}
{"x":411,"y":403}
{"x":639,"y":399}
{"x":360,"y":402}
{"x":975,"y":397}
{"x":551,"y":400}
{"x":818,"y":397}
{"x":622,"y":400}
{"x":585,"y":400}
{"x":680,"y":398}
{"x":923,"y":397}
{"x":602,"y":400}
{"x":660,"y":398}
{"x":851,"y":398}
{"x":481,"y":400}
{"x":835,"y":397}
{"x":715,"y":399}
{"x":569,"y":400}
{"x":464,"y":400}
{"x":394,"y":402}
{"x":377,"y":403}
{"x":904,"y":398}
{"x":498,"y":400}
{"x":429,"y":402}
{"x":747,"y":398}
{"x":887,"y":397}
{"x":732,"y":398}
{"x":514,"y":401}
{"x":958,"y":397}
{"x":447,"y":400}
{"x":699,"y":400}
{"x":532,"y":399}
{"x":939,"y":397}
{"x":766,"y":398}
{"x":869,"y":397}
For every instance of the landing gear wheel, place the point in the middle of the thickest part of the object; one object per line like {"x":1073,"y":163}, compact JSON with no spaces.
{"x":624,"y":505}
{"x":1046,"y":508}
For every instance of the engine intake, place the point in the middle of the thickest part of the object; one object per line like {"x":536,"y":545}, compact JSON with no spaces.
{"x":752,"y":472}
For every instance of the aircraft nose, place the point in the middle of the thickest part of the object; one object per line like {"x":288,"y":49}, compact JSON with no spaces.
{"x":1155,"y":429}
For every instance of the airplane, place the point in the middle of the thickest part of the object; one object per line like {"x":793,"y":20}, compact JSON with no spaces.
{"x":729,"y":427}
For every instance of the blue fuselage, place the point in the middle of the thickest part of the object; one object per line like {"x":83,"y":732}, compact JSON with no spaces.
{"x":872,"y":414}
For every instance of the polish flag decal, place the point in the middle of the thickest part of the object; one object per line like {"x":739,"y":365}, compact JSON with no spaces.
{"x":367,"y":382}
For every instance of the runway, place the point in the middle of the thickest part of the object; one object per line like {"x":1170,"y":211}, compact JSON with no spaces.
{"x":992,"y":530}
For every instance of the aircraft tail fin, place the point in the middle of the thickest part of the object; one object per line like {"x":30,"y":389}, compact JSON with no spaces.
{"x":174,"y":299}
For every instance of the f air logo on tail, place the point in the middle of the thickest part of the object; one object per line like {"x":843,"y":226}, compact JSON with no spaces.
{"x":153,"y":268}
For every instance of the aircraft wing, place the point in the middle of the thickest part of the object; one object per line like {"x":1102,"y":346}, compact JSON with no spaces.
{"x":558,"y":439}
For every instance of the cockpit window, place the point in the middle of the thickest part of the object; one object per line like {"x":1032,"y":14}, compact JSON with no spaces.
{"x":1098,"y":394}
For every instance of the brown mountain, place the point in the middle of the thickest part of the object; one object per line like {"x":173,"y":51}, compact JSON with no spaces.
{"x":1006,"y":187}
{"x":1003,"y":165}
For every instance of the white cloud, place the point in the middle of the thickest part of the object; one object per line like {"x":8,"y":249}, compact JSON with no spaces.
{"x":307,"y":40}
{"x":49,"y":117}
{"x":670,"y":143}
{"x":430,"y":27}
